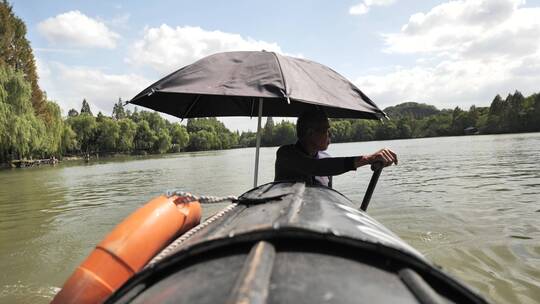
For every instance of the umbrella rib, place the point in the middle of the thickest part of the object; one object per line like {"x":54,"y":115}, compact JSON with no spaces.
{"x":282,"y":77}
{"x":191,"y":106}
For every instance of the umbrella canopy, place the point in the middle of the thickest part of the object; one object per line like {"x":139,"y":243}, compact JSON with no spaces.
{"x":233,"y":83}
{"x":256,"y":84}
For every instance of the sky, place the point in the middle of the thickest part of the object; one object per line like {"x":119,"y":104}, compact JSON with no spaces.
{"x":444,"y":53}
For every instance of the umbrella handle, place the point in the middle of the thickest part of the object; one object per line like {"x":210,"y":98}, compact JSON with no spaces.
{"x":377,"y":169}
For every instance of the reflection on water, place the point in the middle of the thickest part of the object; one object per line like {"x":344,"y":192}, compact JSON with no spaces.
{"x":469,"y":204}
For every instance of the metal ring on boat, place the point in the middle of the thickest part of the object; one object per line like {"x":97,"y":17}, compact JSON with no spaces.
{"x":129,"y":247}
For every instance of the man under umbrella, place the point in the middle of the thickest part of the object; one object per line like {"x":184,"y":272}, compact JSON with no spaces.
{"x":266,"y":84}
{"x":306,"y":160}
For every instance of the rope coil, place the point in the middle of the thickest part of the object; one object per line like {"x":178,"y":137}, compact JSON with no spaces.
{"x":203,"y":200}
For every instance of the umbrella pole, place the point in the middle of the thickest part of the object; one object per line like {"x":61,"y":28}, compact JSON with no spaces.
{"x":258,"y":143}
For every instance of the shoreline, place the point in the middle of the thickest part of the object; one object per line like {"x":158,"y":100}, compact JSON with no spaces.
{"x":97,"y":156}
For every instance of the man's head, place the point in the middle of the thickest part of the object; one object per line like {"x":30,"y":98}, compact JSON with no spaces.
{"x":312,"y":128}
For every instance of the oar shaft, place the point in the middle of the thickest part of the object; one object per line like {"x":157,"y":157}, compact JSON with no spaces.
{"x":377,"y":169}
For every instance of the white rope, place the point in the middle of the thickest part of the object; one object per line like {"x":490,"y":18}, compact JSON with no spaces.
{"x":203,"y":200}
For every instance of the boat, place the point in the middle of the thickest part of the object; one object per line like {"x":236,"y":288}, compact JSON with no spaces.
{"x":281,"y":242}
{"x":286,"y":242}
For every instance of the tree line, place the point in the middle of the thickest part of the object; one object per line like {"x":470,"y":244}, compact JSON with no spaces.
{"x":31,"y":126}
{"x":147,"y":132}
{"x":513,"y":114}
{"x":29,"y":123}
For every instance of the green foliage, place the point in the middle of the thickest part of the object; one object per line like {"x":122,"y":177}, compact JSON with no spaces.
{"x":54,"y":127}
{"x":145,"y":138}
{"x":163,"y":143}
{"x":533,"y":111}
{"x":100,"y":117}
{"x":267,"y":136}
{"x":433,"y":126}
{"x":404,"y":129}
{"x":85,"y":128}
{"x":26,"y":135}
{"x":155,"y":121}
{"x":412,"y":110}
{"x":271,"y":135}
{"x":387,"y":130}
{"x":22,"y":133}
{"x":16,"y":91}
{"x":204,"y":140}
{"x":341,"y":130}
{"x":248,"y":139}
{"x":16,"y":53}
{"x":210,"y":134}
{"x":85,"y":108}
{"x":128,"y":129}
{"x":118,"y":111}
{"x":284,"y":133}
{"x":72,"y":113}
{"x":228,"y":140}
{"x":516,"y":113}
{"x":208,"y":124}
{"x":179,"y":137}
{"x":363,"y":130}
{"x":108,"y":134}
{"x":69,"y":140}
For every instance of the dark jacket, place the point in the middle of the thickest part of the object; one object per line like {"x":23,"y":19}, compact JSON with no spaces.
{"x":294,"y":163}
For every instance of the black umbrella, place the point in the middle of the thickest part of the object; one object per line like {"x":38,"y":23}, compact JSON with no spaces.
{"x":256,"y":84}
{"x":230,"y":84}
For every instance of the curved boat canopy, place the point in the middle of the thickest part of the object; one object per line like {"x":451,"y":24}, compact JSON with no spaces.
{"x":289,"y":243}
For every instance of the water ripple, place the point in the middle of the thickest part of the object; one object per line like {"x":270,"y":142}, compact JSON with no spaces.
{"x":468,"y":203}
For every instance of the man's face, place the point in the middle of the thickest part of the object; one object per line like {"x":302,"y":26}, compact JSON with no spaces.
{"x":321,"y":136}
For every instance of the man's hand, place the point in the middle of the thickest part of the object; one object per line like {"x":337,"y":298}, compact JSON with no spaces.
{"x":385,"y":156}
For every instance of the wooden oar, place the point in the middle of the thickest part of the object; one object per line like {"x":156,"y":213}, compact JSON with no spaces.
{"x":377,"y":169}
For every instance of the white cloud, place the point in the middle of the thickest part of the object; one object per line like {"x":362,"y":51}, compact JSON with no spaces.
{"x":358,"y":9}
{"x":469,"y":27}
{"x":363,"y":7}
{"x":453,"y":83}
{"x":471,"y":50}
{"x":379,"y":2}
{"x":68,"y":85}
{"x":166,"y":49}
{"x":78,"y":30}
{"x":43,"y":69}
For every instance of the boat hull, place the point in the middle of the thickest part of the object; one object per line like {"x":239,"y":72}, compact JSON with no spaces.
{"x":288,"y":243}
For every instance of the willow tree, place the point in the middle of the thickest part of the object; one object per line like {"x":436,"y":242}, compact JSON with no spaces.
{"x":179,"y":137}
{"x":16,"y":52}
{"x":108,"y":134}
{"x":85,"y":128}
{"x":128,"y":129}
{"x":22,"y":134}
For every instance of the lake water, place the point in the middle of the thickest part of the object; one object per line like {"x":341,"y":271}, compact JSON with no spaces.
{"x":470,"y":204}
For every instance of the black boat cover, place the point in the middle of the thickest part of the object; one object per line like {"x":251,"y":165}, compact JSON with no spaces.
{"x":288,"y":243}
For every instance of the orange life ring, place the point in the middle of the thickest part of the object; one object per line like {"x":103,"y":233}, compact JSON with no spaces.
{"x":128,"y":248}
